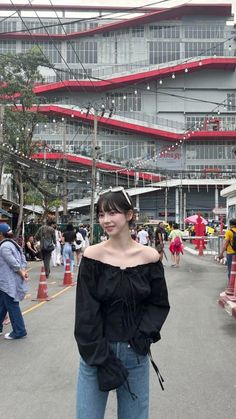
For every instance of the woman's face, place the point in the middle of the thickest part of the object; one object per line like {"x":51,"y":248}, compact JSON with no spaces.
{"x":114,"y":222}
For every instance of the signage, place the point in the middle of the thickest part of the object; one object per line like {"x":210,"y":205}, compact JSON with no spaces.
{"x":219,"y":211}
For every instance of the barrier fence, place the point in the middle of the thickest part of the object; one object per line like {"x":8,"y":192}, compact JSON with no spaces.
{"x":212,"y":244}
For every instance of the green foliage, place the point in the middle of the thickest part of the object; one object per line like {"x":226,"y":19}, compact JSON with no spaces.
{"x":19,"y":73}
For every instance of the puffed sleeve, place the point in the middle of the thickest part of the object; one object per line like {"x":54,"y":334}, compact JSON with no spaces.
{"x":93,"y":346}
{"x":155,"y":310}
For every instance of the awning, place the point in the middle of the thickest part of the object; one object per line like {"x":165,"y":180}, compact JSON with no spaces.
{"x":7,"y":214}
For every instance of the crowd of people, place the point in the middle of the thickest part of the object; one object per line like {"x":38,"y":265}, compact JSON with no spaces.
{"x":67,"y":244}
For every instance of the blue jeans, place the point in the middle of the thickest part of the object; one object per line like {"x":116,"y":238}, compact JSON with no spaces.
{"x":68,"y":254}
{"x":91,"y":402}
{"x":229,"y":257}
{"x":7,"y":304}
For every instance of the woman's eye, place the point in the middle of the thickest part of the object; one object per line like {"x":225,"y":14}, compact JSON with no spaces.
{"x":113,"y":212}
{"x":101,"y":214}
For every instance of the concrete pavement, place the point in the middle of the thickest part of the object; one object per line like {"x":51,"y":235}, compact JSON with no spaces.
{"x":196,"y":355}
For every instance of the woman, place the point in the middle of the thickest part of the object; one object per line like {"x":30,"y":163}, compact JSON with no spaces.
{"x":30,"y":249}
{"x":68,"y":239}
{"x":13,"y":283}
{"x":79,"y":246}
{"x":121,"y":305}
{"x":176,"y":245}
{"x":56,"y":253}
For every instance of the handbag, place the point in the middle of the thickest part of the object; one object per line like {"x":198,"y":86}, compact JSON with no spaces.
{"x":73,"y":248}
{"x":47,"y":245}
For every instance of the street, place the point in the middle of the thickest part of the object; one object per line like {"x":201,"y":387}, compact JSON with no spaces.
{"x":196,"y":355}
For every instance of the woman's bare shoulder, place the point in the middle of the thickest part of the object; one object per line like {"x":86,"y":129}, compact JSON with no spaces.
{"x":94,"y":251}
{"x":148,"y":254}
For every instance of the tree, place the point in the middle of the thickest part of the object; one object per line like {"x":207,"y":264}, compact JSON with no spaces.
{"x":19,"y":74}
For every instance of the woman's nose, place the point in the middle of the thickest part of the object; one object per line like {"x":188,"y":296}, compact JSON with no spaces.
{"x":106,"y":218}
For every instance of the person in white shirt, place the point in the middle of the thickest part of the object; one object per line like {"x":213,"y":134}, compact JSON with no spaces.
{"x":143,"y":237}
{"x":79,"y":246}
{"x":56,"y":253}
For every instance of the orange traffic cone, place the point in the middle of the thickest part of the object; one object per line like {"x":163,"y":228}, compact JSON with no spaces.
{"x":231,"y":288}
{"x":67,"y":275}
{"x":43,"y":288}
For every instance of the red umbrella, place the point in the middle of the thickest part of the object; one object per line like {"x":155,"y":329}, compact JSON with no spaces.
{"x":192,"y":219}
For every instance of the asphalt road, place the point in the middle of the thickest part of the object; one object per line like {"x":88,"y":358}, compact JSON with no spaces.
{"x":196,"y":355}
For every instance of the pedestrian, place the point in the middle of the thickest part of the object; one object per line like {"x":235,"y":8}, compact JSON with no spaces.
{"x":176,"y":245}
{"x":68,"y":238}
{"x":56,"y":253}
{"x":121,"y":305}
{"x":79,"y":246}
{"x":143,"y":236}
{"x":13,"y":283}
{"x":159,"y":239}
{"x":46,"y":236}
{"x":103,"y":237}
{"x":228,"y":245}
{"x":31,"y":250}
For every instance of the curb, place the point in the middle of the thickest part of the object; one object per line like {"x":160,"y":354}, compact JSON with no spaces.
{"x":228,"y":305}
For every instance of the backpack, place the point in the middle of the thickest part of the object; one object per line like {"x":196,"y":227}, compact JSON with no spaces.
{"x":233,"y":244}
{"x":47,"y":244}
{"x":177,"y":241}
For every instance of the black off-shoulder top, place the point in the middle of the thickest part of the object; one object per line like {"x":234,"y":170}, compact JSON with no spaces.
{"x":114,"y":304}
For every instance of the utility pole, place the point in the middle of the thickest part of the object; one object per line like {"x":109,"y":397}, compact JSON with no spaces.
{"x":93,"y":177}
{"x":166,"y":203}
{"x":65,"y":202}
{"x":1,"y":157}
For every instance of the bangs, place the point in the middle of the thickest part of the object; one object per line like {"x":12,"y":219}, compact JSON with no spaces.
{"x":113,"y":201}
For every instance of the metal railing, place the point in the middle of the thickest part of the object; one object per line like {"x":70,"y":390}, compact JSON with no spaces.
{"x":212,"y":244}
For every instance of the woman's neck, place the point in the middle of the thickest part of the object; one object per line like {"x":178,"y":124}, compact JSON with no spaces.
{"x":122,"y":241}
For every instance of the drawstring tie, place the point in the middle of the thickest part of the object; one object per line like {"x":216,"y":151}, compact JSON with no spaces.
{"x":133,"y":395}
{"x":160,"y":378}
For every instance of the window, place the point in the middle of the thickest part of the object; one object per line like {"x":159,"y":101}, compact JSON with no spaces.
{"x":51,"y":27}
{"x":165,"y":32}
{"x":231,"y":102}
{"x":193,"y":49}
{"x":51,"y":49}
{"x":7,"y":47}
{"x":7,"y":26}
{"x":162,"y":52}
{"x":127,"y":101}
{"x":82,"y":51}
{"x":204,"y":31}
{"x":138,"y":32}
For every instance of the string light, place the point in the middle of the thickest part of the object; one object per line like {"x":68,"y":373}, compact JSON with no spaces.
{"x":148,"y":87}
{"x":24,"y":157}
{"x":173,"y":76}
{"x":186,"y":70}
{"x":160,"y":81}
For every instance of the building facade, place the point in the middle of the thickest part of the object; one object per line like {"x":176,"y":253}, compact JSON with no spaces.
{"x":161,"y":84}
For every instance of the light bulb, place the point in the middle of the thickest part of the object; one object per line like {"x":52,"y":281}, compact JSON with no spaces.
{"x":173,"y":76}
